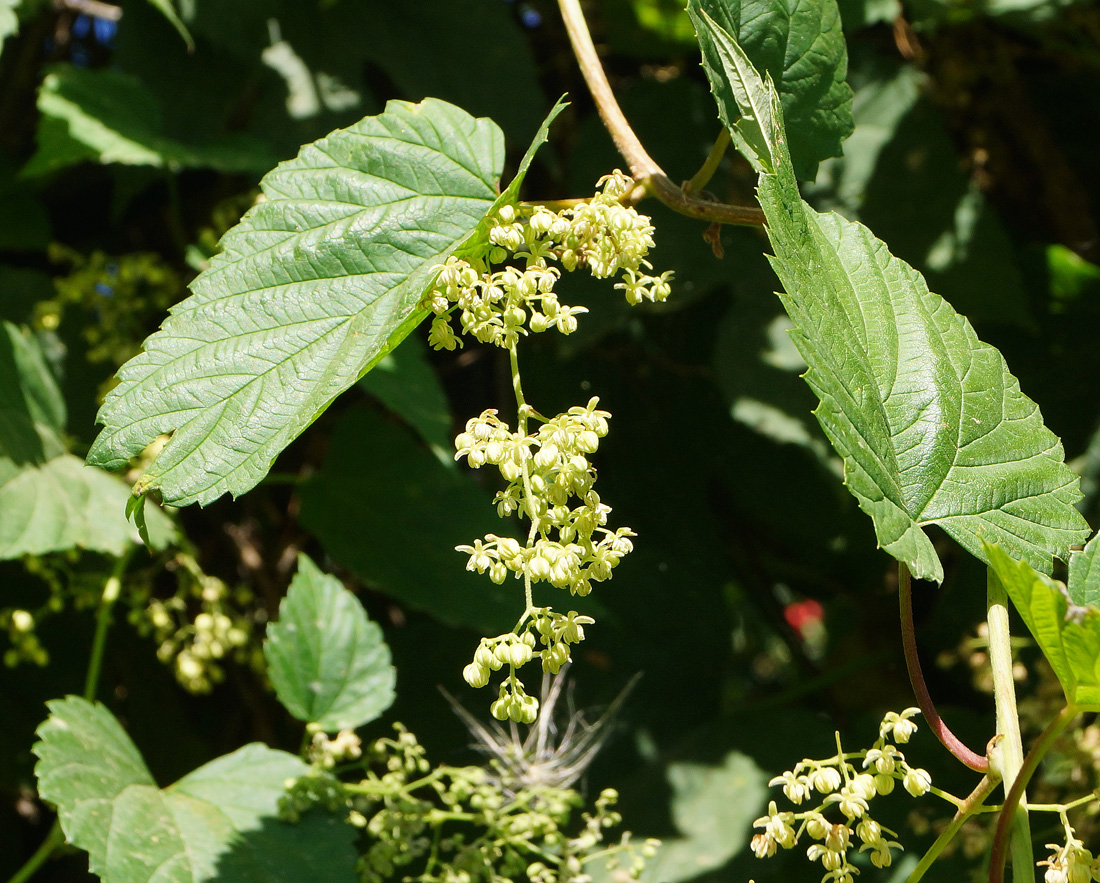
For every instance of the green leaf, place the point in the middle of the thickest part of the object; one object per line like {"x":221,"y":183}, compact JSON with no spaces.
{"x":1066,"y":632}
{"x":800,"y":45}
{"x":328,"y":662}
{"x":744,"y":105}
{"x":49,"y":501}
{"x":1084,"y":575}
{"x":406,"y":384}
{"x":108,"y":116}
{"x":218,"y":822}
{"x":380,"y":498}
{"x":63,"y":504}
{"x":32,"y":410}
{"x":930,"y":424}
{"x":713,"y":808}
{"x":316,"y":284}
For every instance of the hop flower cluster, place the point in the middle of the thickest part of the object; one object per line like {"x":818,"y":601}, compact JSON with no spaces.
{"x":545,"y":471}
{"x":550,"y":482}
{"x":325,"y":753}
{"x":446,"y":824}
{"x":196,"y":646}
{"x":499,"y":306}
{"x":839,"y":783}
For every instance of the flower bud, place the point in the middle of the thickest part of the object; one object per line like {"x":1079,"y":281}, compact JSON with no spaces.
{"x":475,"y":675}
{"x":588,"y":441}
{"x":825,"y":780}
{"x":547,"y":456}
{"x":485,"y":658}
{"x":22,"y":621}
{"x":518,"y":654}
{"x":525,"y":710}
{"x":538,"y":568}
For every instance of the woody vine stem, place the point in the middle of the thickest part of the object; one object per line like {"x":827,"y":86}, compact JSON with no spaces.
{"x":644,"y":169}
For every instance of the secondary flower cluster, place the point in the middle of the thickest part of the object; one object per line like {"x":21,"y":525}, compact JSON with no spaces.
{"x":550,"y":483}
{"x":545,"y":472}
{"x":446,"y":824}
{"x":839,"y":782}
{"x":497,"y":307}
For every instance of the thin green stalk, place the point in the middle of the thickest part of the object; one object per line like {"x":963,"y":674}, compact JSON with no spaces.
{"x":53,"y":840}
{"x":714,"y":159}
{"x":967,"y":808}
{"x":999,"y":852}
{"x":1008,"y":722}
{"x":111,"y":590}
{"x":522,"y":410}
{"x":950,"y":741}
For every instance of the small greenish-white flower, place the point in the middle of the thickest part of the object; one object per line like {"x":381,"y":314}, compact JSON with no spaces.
{"x":851,"y":804}
{"x":880,"y":852}
{"x":763,"y":845}
{"x":838,"y":838}
{"x":777,"y":826}
{"x":900,"y":727}
{"x":817,"y":826}
{"x":917,"y":781}
{"x":795,"y":788}
{"x":883,"y":759}
{"x":830,"y":859}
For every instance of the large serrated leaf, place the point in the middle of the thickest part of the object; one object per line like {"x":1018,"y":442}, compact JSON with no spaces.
{"x":218,"y":822}
{"x":932,"y":427}
{"x":316,"y":283}
{"x":800,"y":45}
{"x":1068,"y":636}
{"x":328,"y":662}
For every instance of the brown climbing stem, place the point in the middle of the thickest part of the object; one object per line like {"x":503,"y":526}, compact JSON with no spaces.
{"x":642,"y":166}
{"x":951,"y":742}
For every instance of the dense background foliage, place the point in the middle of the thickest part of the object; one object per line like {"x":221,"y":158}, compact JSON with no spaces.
{"x":124,"y":156}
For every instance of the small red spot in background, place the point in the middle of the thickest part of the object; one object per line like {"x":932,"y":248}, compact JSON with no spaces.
{"x":803,"y":615}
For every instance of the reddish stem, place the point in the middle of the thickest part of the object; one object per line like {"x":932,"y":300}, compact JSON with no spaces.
{"x":950,"y":741}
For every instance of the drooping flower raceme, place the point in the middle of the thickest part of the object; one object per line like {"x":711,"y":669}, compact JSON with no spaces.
{"x":549,"y":477}
{"x":851,"y":789}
